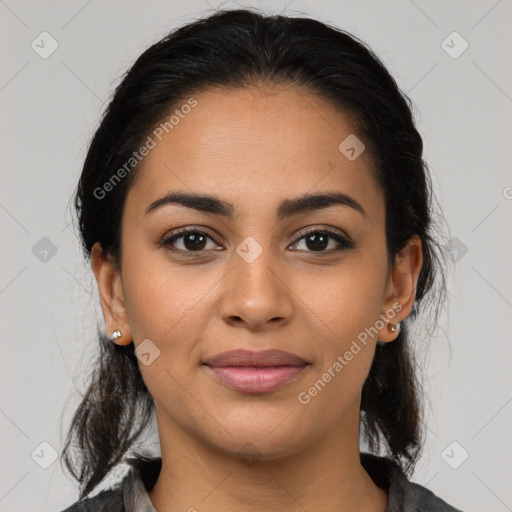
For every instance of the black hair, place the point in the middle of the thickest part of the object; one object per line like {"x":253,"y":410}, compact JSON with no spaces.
{"x":237,"y":49}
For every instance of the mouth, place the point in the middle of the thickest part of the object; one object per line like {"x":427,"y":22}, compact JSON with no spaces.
{"x":255,"y":372}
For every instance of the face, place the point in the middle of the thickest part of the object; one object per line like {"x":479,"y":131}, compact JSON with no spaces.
{"x":261,"y":275}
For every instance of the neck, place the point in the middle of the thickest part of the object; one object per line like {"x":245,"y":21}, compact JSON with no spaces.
{"x":324,"y":475}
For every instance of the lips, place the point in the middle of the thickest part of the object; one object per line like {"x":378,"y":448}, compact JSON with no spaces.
{"x":255,"y":372}
{"x":264,"y":358}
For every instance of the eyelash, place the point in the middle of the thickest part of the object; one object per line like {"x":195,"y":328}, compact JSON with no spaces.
{"x":180,"y":233}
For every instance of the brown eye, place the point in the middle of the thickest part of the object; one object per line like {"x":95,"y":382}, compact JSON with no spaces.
{"x":191,"y":240}
{"x":319,"y":241}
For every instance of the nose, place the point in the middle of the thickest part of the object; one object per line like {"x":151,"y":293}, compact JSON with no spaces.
{"x":256,"y":295}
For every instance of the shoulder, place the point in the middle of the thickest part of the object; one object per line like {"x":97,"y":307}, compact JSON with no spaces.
{"x":106,"y":501}
{"x":403,"y":495}
{"x":128,"y":494}
{"x":427,"y":501}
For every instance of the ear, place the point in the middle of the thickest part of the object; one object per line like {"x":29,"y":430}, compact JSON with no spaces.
{"x":400,"y":290}
{"x":111,"y":291}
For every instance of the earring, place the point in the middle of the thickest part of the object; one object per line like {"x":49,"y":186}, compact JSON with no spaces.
{"x":394,"y":327}
{"x":116,"y":335}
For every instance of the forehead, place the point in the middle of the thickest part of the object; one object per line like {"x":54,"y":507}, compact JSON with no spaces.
{"x":255,"y":145}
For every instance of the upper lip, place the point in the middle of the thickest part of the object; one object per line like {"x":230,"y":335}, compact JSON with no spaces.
{"x":262,"y":358}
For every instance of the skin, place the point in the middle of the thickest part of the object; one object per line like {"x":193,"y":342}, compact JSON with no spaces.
{"x":255,"y":147}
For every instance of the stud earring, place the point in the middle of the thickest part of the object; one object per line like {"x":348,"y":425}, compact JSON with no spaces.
{"x":394,"y":327}
{"x":116,"y":335}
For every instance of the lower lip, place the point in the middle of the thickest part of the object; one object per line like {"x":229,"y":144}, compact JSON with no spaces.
{"x":255,"y":380}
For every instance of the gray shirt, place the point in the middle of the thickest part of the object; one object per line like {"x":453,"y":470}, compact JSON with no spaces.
{"x":131,"y":493}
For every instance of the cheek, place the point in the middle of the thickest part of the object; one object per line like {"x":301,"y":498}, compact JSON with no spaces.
{"x":344,"y":345}
{"x":345,"y":304}
{"x":161,"y":297}
{"x":342,"y":312}
{"x":168,"y":306}
{"x":172,"y":307}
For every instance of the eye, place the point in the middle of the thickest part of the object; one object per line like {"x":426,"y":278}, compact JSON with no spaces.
{"x":318,"y":240}
{"x":191,"y":240}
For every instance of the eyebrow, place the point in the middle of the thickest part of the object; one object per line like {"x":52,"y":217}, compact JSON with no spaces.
{"x":287,"y":208}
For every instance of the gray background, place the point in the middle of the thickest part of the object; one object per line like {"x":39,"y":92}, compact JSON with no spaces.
{"x":50,"y":108}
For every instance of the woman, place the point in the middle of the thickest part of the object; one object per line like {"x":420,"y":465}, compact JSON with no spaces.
{"x":259,"y":221}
